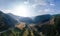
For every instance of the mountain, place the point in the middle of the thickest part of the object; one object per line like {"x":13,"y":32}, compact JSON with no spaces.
{"x":56,"y":18}
{"x":10,"y":20}
{"x":27,"y":20}
{"x":42,"y":18}
{"x":56,"y":15}
{"x":37,"y":19}
{"x":6,"y":21}
{"x":3,"y":24}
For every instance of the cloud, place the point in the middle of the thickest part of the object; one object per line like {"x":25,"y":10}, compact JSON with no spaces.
{"x":36,"y":6}
{"x":44,"y":3}
{"x":45,"y":6}
{"x":40,"y":2}
{"x":7,"y":10}
{"x":26,"y":2}
{"x":52,"y":4}
{"x":46,"y":10}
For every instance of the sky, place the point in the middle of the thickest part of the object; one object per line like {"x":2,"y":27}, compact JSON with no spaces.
{"x":30,"y":7}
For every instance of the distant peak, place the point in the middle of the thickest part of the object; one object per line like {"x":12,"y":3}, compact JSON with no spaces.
{"x":1,"y":12}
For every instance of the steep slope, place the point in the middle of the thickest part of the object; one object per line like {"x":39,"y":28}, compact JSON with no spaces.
{"x":6,"y":21}
{"x":42,"y":18}
{"x":3,"y":24}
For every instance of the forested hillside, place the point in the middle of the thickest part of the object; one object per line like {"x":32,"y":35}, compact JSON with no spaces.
{"x":25,"y":29}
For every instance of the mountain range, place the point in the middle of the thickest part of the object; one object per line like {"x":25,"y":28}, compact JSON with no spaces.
{"x":9,"y":20}
{"x":36,"y":19}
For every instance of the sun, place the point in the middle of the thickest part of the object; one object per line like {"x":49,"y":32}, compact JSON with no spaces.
{"x":22,"y":10}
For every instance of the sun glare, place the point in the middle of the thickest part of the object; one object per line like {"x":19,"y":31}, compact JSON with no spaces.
{"x":22,"y":10}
